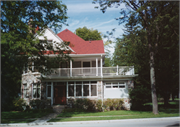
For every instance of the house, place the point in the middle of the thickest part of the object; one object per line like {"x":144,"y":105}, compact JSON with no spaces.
{"x":84,"y":77}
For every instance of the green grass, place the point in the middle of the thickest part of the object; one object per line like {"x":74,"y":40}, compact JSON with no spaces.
{"x":23,"y":117}
{"x":134,"y":115}
{"x":171,"y":111}
{"x":17,"y":120}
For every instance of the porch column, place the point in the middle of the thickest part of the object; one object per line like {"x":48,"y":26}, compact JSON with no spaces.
{"x":52,"y":93}
{"x":67,"y":92}
{"x":96,"y":66}
{"x":24,"y":69}
{"x":101,"y":67}
{"x":70,"y":68}
{"x":32,"y":66}
{"x":117,"y":70}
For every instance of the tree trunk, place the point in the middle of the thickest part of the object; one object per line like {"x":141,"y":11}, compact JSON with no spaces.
{"x":153,"y":83}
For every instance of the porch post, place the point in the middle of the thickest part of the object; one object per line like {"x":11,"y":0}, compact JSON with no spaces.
{"x":52,"y":93}
{"x":32,"y":66}
{"x":67,"y":93}
{"x":24,"y":69}
{"x":96,"y":66}
{"x":101,"y":66}
{"x":70,"y":68}
{"x":117,"y":70}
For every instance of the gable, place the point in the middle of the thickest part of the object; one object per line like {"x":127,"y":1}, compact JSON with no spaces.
{"x":81,"y":46}
{"x":50,"y":35}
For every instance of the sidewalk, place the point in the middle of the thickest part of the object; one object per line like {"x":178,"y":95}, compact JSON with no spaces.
{"x":86,"y":122}
{"x":57,"y":110}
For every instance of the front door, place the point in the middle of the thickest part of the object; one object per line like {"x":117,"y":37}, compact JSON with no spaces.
{"x":60,"y":94}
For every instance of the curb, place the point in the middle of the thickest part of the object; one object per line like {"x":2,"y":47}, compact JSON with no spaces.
{"x":86,"y":122}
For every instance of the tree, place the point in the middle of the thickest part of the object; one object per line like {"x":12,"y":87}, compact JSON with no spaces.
{"x":88,"y":34}
{"x":148,"y":16}
{"x":19,"y":43}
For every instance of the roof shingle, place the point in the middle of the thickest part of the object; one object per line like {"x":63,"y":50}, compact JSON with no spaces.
{"x":81,"y":46}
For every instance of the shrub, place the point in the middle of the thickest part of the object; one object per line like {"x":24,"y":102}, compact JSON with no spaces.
{"x":40,"y":104}
{"x":99,"y":105}
{"x":139,"y":96}
{"x":19,"y":104}
{"x":113,"y":104}
{"x":94,"y":105}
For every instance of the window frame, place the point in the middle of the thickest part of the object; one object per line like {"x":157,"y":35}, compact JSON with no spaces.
{"x":25,"y":95}
{"x":111,"y":84}
{"x":82,"y":89}
{"x":37,"y":90}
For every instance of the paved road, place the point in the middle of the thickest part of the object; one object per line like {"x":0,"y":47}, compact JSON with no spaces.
{"x":152,"y":122}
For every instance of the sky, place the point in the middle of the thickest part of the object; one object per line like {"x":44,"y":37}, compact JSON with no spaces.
{"x":82,"y":13}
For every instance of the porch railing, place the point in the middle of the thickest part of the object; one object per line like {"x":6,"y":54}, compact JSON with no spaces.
{"x":92,"y":71}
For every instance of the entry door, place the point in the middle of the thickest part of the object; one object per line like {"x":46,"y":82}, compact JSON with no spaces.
{"x":60,"y":94}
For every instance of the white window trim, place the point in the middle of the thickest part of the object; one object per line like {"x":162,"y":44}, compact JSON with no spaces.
{"x":32,"y":91}
{"x":47,"y":90}
{"x":23,"y":90}
{"x":82,"y":96}
{"x":111,"y":84}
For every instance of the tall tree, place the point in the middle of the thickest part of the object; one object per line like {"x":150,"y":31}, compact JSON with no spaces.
{"x":88,"y":34}
{"x":19,"y":43}
{"x":148,"y":16}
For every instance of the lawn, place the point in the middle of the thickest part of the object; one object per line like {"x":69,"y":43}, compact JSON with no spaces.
{"x":23,"y":116}
{"x":171,"y":111}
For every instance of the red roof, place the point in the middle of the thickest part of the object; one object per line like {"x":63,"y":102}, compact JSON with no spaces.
{"x":81,"y":46}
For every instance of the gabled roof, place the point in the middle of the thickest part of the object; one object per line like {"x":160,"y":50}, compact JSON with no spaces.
{"x":50,"y":35}
{"x":81,"y":46}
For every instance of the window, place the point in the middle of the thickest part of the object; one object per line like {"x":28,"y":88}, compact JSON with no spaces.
{"x":114,"y":85}
{"x":121,"y":86}
{"x":78,"y":88}
{"x":49,"y":89}
{"x":36,"y":90}
{"x":86,"y":64}
{"x":25,"y":91}
{"x":85,"y":88}
{"x":93,"y":88}
{"x":71,"y":89}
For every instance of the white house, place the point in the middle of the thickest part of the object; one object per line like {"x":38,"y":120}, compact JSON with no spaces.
{"x":84,"y":77}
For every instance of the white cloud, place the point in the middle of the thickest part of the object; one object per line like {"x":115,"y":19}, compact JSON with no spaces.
{"x":88,"y":7}
{"x":75,"y":22}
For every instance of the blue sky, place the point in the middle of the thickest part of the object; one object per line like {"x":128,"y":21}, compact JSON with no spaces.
{"x":82,"y":13}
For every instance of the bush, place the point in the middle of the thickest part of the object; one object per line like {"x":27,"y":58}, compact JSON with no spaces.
{"x":40,"y":104}
{"x":19,"y":104}
{"x":139,"y":96}
{"x":94,"y":105}
{"x":99,"y":105}
{"x":113,"y":104}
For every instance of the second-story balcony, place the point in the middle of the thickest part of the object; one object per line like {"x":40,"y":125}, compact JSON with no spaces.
{"x":92,"y":71}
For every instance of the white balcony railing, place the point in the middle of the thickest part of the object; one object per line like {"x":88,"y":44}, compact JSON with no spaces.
{"x":92,"y":71}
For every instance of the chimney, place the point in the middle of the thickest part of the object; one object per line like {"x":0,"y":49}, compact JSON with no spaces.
{"x":30,"y":24}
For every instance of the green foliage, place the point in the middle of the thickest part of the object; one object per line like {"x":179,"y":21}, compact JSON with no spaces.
{"x":94,"y":105}
{"x":151,"y":37}
{"x":88,"y":34}
{"x":40,"y":104}
{"x":139,"y":96}
{"x":18,"y":42}
{"x":19,"y":103}
{"x":113,"y":104}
